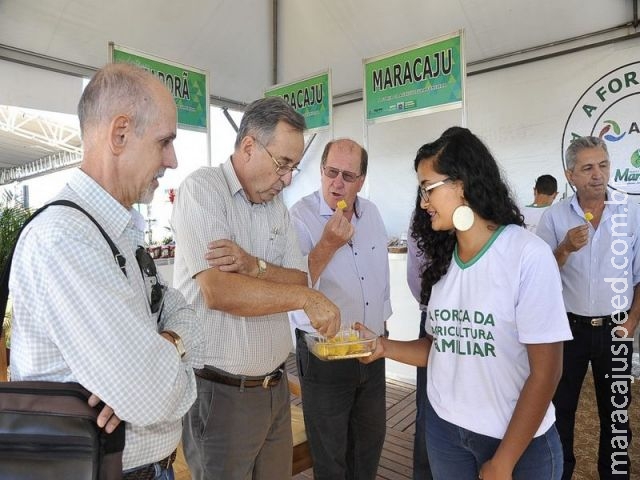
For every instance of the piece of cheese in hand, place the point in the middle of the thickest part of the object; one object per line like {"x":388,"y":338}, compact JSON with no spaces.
{"x":342,"y":205}
{"x":588,"y":216}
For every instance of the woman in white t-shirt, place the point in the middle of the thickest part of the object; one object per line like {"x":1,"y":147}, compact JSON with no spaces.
{"x":497,"y":320}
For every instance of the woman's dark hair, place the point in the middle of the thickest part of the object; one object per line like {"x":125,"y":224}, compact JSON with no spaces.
{"x":460,"y":155}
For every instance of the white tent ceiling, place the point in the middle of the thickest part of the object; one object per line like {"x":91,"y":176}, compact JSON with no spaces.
{"x":233,"y":39}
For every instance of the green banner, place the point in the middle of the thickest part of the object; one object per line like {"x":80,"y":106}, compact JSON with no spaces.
{"x":187,"y":85}
{"x":310,"y":97}
{"x":415,"y":81}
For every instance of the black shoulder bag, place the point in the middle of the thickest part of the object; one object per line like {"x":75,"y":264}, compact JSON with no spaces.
{"x":47,"y":429}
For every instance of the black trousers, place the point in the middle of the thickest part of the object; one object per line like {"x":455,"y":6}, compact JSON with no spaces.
{"x":421,"y":467}
{"x":344,"y":414}
{"x":610,"y":357}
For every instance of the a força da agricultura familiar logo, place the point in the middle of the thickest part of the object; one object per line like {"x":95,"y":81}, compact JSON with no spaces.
{"x":611,"y":125}
{"x":610,"y":109}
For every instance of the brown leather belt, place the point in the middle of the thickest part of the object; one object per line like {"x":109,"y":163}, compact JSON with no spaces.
{"x":148,"y":472}
{"x":217,"y":376}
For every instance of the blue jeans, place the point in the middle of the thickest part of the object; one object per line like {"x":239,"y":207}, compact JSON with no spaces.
{"x":457,"y":453}
{"x":161,"y":473}
{"x":421,"y":468}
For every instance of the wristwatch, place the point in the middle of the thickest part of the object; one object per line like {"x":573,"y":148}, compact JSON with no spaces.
{"x":177,"y":341}
{"x":262,"y":267}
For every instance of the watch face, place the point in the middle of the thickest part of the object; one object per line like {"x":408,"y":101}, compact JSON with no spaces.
{"x":262,"y":267}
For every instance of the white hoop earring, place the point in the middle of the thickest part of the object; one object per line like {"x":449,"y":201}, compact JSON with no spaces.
{"x":463,"y":218}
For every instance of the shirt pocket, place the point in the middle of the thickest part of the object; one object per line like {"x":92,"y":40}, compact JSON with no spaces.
{"x":276,"y":246}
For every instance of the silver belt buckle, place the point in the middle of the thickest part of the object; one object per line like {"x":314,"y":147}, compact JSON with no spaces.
{"x":597,"y":322}
{"x":267,"y":379}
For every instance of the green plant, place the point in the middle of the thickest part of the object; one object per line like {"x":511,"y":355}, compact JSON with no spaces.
{"x":12,"y":217}
{"x":6,"y":335}
{"x":11,"y":220}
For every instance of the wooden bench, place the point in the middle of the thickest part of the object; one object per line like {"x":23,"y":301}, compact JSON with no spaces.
{"x":301,"y":454}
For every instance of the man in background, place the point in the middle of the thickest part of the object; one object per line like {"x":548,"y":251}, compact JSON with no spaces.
{"x":544,"y":193}
{"x":78,"y":317}
{"x":593,"y":235}
{"x":346,"y":248}
{"x":240,"y":425}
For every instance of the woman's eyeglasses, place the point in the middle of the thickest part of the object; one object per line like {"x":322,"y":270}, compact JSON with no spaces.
{"x":424,"y":191}
{"x":148,"y":269}
{"x":331,"y":172}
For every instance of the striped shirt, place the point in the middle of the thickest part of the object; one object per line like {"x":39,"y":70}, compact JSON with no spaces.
{"x":77,"y":318}
{"x":211,"y":205}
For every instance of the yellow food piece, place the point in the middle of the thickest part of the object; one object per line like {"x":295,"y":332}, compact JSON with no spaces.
{"x":341,"y":205}
{"x":339,"y":346}
{"x":357,"y":348}
{"x":588,"y":216}
{"x":330,"y":349}
{"x":339,"y":350}
{"x":322,"y":349}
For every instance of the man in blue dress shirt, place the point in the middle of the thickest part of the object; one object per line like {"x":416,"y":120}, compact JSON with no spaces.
{"x":593,"y":235}
{"x":344,"y":240}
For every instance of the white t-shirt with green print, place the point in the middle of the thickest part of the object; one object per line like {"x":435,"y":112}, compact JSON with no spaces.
{"x":482,"y":314}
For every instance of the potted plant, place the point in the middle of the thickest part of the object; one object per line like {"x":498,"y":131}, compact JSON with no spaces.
{"x":12,"y":217}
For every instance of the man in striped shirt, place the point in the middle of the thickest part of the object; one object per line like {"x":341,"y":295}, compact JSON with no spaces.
{"x":240,"y":425}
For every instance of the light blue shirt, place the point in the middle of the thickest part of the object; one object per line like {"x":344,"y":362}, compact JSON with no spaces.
{"x":599,"y":278}
{"x":357,"y":277}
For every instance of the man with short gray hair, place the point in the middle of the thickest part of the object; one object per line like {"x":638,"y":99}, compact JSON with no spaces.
{"x":594,"y":238}
{"x":253,"y":273}
{"x":80,"y":316}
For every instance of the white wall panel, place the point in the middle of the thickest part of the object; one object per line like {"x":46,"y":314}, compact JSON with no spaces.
{"x":29,"y":87}
{"x":520,"y":112}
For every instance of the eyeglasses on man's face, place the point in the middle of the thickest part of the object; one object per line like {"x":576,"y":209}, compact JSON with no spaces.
{"x":148,"y":269}
{"x":424,"y":191}
{"x":281,"y":170}
{"x":347,"y":176}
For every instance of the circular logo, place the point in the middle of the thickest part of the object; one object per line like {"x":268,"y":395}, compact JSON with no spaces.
{"x":610,"y":109}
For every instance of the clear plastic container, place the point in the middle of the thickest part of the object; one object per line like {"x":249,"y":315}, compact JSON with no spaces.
{"x":348,"y":343}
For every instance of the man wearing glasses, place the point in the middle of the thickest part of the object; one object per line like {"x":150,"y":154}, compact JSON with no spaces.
{"x":252,"y":275}
{"x":346,"y":248}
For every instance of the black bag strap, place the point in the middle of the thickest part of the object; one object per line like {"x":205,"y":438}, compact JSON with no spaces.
{"x":4,"y":280}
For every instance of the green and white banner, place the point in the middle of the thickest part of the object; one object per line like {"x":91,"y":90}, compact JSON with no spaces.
{"x":608,"y":109}
{"x":189,"y":86}
{"x":416,"y":80}
{"x":311,"y":97}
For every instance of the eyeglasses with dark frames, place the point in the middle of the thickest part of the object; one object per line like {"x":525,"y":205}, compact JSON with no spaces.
{"x":347,"y":176}
{"x":149,"y":271}
{"x":424,"y":191}
{"x":281,"y":170}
